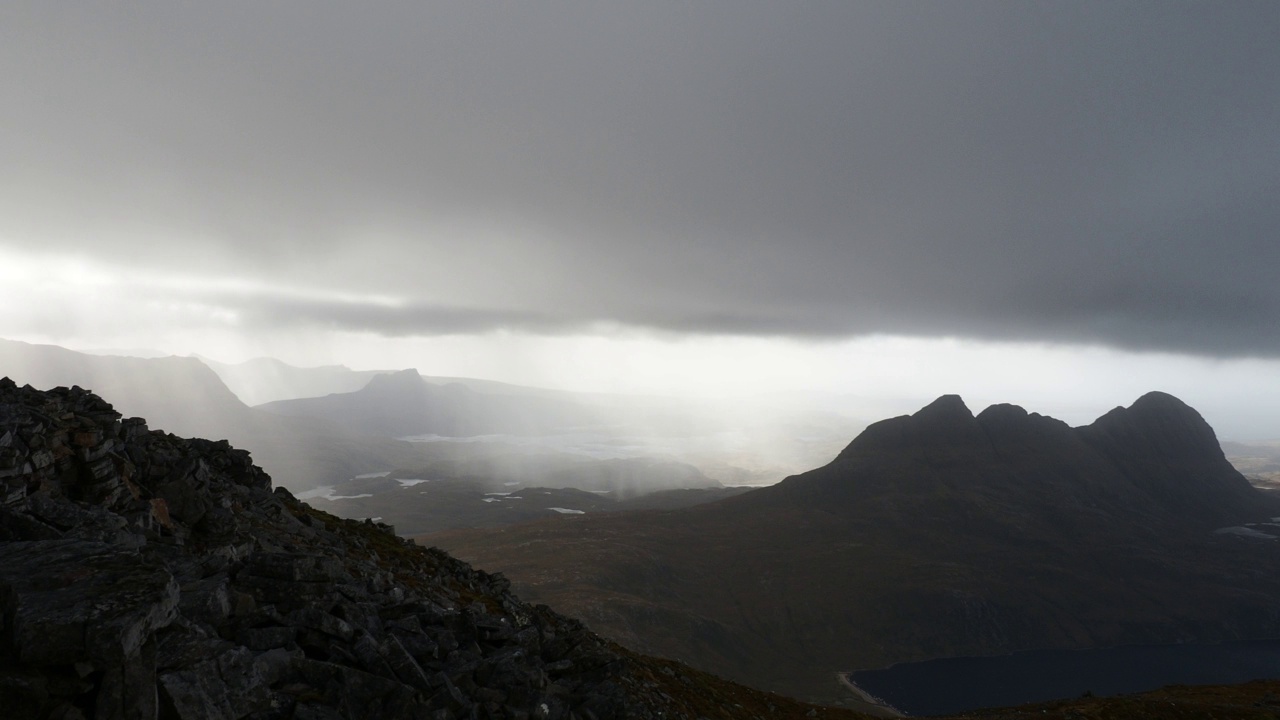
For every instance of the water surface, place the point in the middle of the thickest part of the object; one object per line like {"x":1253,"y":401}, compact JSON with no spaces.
{"x":954,"y":685}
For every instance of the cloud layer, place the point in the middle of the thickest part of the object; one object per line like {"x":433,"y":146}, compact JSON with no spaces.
{"x":1069,"y":172}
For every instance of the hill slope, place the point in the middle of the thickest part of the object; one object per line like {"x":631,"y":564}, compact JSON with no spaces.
{"x":180,"y":393}
{"x":931,"y":535}
{"x":146,"y":576}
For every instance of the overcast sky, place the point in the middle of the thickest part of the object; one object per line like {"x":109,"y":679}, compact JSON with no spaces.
{"x":775,"y":186}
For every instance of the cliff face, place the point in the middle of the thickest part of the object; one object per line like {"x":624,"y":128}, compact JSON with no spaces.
{"x":147,"y":576}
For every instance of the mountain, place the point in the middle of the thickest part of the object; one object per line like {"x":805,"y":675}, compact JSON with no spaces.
{"x":794,"y":434}
{"x":404,"y":404}
{"x":181,"y":393}
{"x":930,"y":535}
{"x":308,"y":452}
{"x":262,"y":380}
{"x":1157,"y":461}
{"x":640,"y":444}
{"x":147,"y":576}
{"x":186,"y":396}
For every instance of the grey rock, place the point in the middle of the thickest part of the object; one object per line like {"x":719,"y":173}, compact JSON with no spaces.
{"x":227,"y":687}
{"x":143,"y":575}
{"x":73,"y":599}
{"x":402,"y":663}
{"x":22,"y":695}
{"x":267,"y":638}
{"x":207,"y":600}
{"x":186,"y":502}
{"x":127,"y":690}
{"x":313,"y":618}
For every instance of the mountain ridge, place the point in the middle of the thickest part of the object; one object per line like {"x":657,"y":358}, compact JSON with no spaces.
{"x":965,"y":534}
{"x":1159,"y":452}
{"x":190,"y":399}
{"x":403,"y":403}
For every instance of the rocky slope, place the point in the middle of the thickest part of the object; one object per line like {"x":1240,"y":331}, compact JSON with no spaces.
{"x":931,"y":535}
{"x":147,"y":576}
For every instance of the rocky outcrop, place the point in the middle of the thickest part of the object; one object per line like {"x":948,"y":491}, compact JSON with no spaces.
{"x":147,"y":576}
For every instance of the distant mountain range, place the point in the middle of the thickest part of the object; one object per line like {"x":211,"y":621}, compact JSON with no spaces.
{"x":325,"y":441}
{"x":180,"y":393}
{"x":186,"y":397}
{"x":263,"y":380}
{"x":404,"y":404}
{"x":931,"y":535}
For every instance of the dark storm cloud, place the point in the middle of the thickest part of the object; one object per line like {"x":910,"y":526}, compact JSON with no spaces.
{"x":388,"y":320}
{"x":1084,"y":172}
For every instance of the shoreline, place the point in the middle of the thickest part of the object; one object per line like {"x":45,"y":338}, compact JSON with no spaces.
{"x":868,"y":698}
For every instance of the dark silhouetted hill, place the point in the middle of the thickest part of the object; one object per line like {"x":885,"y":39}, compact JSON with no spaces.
{"x":931,"y":535}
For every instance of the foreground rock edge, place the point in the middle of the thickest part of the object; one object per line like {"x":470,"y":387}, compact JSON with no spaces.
{"x":147,"y":576}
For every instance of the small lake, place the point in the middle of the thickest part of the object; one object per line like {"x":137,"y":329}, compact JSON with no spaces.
{"x":955,"y":685}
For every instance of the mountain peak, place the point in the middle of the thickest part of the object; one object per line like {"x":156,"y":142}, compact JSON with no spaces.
{"x":946,"y":421}
{"x":1158,"y":414}
{"x":1161,"y":402}
{"x":1003,"y":412}
{"x":407,"y":380}
{"x":1163,"y":425}
{"x":945,"y":407}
